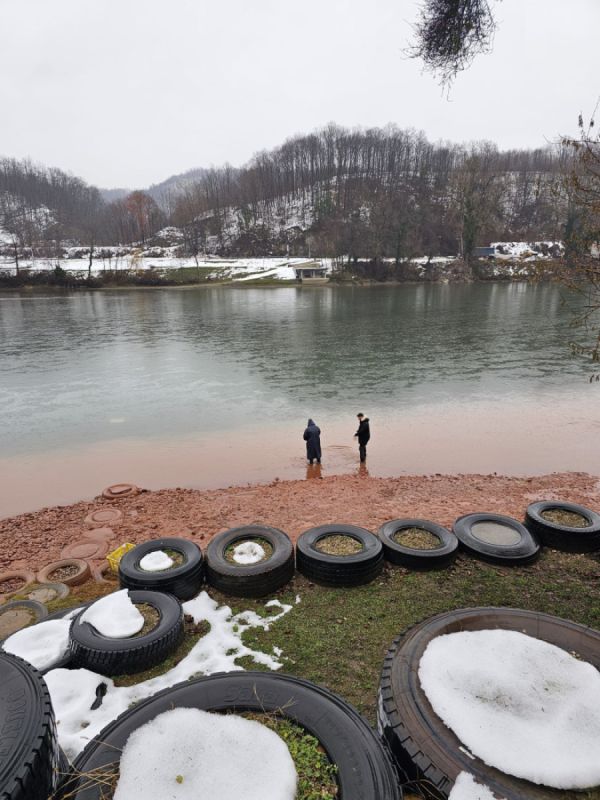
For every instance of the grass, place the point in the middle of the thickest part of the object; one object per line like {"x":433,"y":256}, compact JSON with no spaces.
{"x":417,"y":538}
{"x":338,"y":545}
{"x":192,"y":274}
{"x":338,"y":637}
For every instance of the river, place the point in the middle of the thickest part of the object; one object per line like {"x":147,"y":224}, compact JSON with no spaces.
{"x":209,"y":387}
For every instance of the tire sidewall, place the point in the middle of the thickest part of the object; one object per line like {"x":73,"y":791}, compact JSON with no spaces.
{"x":415,"y":557}
{"x":526,"y":551}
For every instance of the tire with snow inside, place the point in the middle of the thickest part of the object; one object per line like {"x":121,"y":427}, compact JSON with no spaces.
{"x":521,"y":546}
{"x":415,"y":557}
{"x":250,"y":580}
{"x":422,"y":744}
{"x":29,"y":764}
{"x":365,"y":770}
{"x":90,"y":649}
{"x":564,"y":537}
{"x":339,"y":570}
{"x":183,"y":581}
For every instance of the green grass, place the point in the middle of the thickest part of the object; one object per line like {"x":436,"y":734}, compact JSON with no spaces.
{"x":191,"y":274}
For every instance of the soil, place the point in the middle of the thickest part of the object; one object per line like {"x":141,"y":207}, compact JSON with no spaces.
{"x":418,"y":538}
{"x":14,"y":619}
{"x":229,"y":551}
{"x":58,"y":575}
{"x":11,"y":585}
{"x":568,"y":518}
{"x":151,"y":618}
{"x":338,"y":545}
{"x":35,"y":539}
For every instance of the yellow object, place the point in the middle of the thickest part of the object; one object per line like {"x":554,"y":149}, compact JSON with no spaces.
{"x":116,"y":555}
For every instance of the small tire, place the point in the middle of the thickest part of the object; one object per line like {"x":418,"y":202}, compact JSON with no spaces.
{"x":250,"y":580}
{"x":26,"y":576}
{"x":564,"y":537}
{"x":413,"y":557}
{"x":339,"y":570}
{"x":525,"y":549}
{"x":36,"y":612}
{"x":364,"y":768}
{"x":82,"y":574}
{"x":91,"y":650}
{"x":184,"y":581}
{"x":29,"y":768}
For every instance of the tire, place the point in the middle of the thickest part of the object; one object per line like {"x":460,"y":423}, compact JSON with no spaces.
{"x":563,"y":537}
{"x":30,"y":754}
{"x":91,"y":650}
{"x":524,"y":551}
{"x":184,"y":581}
{"x":250,"y":580}
{"x":365,"y":771}
{"x":37,"y":611}
{"x":416,"y":558}
{"x":82,"y":575}
{"x":332,"y":570}
{"x":418,"y":738}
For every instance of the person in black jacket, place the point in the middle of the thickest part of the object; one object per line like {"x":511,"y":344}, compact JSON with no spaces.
{"x":364,"y":434}
{"x":312,"y":437}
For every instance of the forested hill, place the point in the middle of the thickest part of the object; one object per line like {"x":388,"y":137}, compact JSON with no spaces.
{"x":368,"y":193}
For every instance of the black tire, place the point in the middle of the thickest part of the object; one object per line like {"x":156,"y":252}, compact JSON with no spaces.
{"x":524,"y":551}
{"x":250,"y":580}
{"x":422,"y":744}
{"x":365,"y":771}
{"x":563,"y":537}
{"x":91,"y":650}
{"x":29,"y":764}
{"x":184,"y":581}
{"x":412,"y":557}
{"x":333,"y":570}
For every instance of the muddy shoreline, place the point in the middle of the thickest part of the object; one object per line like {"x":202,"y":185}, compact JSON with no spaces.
{"x":34,"y":539}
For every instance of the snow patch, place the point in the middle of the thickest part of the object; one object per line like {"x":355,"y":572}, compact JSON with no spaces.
{"x":156,"y":561}
{"x":248,"y":553}
{"x":188,"y":754}
{"x":42,"y":645}
{"x":516,"y":702}
{"x":114,"y":616}
{"x":465,"y":788}
{"x":74,"y":691}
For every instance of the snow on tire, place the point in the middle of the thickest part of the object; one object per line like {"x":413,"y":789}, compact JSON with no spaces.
{"x":184,"y":580}
{"x":258,"y":579}
{"x":364,"y":768}
{"x":30,"y":762}
{"x":422,"y":744}
{"x":92,"y":650}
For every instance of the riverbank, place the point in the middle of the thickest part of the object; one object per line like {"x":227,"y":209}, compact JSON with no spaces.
{"x":34,"y":539}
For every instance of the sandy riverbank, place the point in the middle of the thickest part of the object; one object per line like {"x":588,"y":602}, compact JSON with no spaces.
{"x":34,"y":539}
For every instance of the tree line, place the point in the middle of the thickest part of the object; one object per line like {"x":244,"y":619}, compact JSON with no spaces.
{"x":377,"y":193}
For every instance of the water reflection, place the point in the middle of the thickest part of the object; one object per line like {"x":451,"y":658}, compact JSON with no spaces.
{"x":203,"y":360}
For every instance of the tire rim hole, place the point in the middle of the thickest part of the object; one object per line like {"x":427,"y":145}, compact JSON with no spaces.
{"x":563,"y":517}
{"x":417,"y":538}
{"x":495,"y":533}
{"x":338,"y":544}
{"x":232,"y":553}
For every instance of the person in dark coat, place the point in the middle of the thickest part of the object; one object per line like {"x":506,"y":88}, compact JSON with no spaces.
{"x":312,"y":437}
{"x":364,"y":434}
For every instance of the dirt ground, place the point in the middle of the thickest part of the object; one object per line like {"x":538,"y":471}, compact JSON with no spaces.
{"x":35,"y":539}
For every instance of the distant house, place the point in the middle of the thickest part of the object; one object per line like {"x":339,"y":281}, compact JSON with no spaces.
{"x":484,"y":252}
{"x":311,"y":272}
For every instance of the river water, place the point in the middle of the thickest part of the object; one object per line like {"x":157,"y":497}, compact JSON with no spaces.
{"x":213,"y":386}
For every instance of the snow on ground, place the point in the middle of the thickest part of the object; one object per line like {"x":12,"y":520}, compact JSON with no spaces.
{"x":74,"y":691}
{"x":189,"y":754}
{"x":156,"y":561}
{"x":114,"y":616}
{"x":465,"y":788}
{"x":520,"y":704}
{"x":248,"y":553}
{"x":41,"y":645}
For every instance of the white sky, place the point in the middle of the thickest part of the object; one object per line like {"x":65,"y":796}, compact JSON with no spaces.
{"x":128,"y":92}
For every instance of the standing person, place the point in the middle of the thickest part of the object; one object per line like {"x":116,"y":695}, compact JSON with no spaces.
{"x":312,"y":437}
{"x":364,"y":434}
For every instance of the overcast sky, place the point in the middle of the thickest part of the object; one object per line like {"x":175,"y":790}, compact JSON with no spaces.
{"x":128,"y":92}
